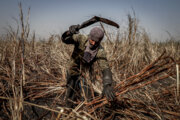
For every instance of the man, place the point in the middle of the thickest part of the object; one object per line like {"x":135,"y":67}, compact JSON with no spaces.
{"x":87,"y":50}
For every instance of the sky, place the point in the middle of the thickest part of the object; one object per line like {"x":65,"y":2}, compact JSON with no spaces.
{"x":55,"y":16}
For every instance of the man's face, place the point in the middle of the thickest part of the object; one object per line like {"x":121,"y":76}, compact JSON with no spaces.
{"x":93,"y":44}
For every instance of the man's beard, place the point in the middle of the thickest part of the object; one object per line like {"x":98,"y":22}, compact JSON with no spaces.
{"x":90,"y":52}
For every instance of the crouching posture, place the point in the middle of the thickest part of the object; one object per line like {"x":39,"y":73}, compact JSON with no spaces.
{"x":87,"y":50}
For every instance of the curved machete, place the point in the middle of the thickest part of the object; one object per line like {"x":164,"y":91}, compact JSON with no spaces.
{"x":94,"y":20}
{"x":97,"y":19}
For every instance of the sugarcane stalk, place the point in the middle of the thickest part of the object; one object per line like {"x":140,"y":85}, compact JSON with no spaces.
{"x":177,"y":69}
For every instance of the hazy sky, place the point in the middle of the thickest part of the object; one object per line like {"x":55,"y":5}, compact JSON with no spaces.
{"x":55,"y":16}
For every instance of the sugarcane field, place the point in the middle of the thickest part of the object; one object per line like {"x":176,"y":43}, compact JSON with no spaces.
{"x":126,"y":76}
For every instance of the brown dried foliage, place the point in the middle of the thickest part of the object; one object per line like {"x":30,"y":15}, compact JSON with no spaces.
{"x":145,"y":78}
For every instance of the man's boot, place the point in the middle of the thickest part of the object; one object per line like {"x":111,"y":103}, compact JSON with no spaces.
{"x":70,"y":91}
{"x":85,"y":90}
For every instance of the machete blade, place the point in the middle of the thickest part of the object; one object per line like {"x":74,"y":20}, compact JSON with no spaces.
{"x":107,"y":21}
{"x":94,"y":20}
{"x":88,"y":22}
{"x":97,"y":19}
